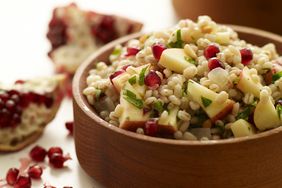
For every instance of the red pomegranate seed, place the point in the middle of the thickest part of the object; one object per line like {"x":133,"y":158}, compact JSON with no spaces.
{"x":23,"y":182}
{"x":4,"y":95}
{"x":12,"y":176}
{"x":57,"y":160}
{"x":53,"y":150}
{"x":151,"y":127}
{"x":69,"y":126}
{"x":35,"y":172}
{"x":19,"y":82}
{"x":132,"y":51}
{"x":152,"y":79}
{"x":211,"y":51}
{"x":38,"y":154}
{"x":214,"y":63}
{"x":246,"y":56}
{"x":10,"y":105}
{"x":157,"y":50}
{"x":57,"y":33}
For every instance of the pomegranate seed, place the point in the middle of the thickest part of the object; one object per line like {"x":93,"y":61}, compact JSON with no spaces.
{"x":38,"y":154}
{"x":35,"y":172}
{"x":105,"y":30}
{"x":57,"y":33}
{"x":132,"y":51}
{"x":53,"y":150}
{"x":151,"y":127}
{"x":69,"y":126}
{"x":211,"y":51}
{"x":157,"y":50}
{"x":48,"y":101}
{"x":57,"y":160}
{"x":246,"y":56}
{"x":152,"y":79}
{"x":19,"y":82}
{"x":23,"y":182}
{"x":4,"y":95}
{"x":115,"y":74}
{"x":10,"y":105}
{"x":12,"y":176}
{"x":214,"y":63}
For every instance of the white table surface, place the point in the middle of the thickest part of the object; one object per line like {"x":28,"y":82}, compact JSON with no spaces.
{"x":23,"y":48}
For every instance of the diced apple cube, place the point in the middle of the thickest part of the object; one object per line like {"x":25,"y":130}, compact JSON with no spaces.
{"x":175,"y":59}
{"x":247,"y":84}
{"x":206,"y":99}
{"x":242,"y":128}
{"x":120,"y":80}
{"x":265,"y":115}
{"x":169,"y":123}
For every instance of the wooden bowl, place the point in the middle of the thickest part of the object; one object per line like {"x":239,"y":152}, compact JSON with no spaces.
{"x":253,"y":13}
{"x":118,"y":158}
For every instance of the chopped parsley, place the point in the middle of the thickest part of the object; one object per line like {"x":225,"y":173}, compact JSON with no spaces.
{"x":116,"y":52}
{"x":279,"y":110}
{"x":130,"y":97}
{"x":276,"y":76}
{"x":132,"y":80}
{"x":190,"y":60}
{"x":206,"y":102}
{"x":142,"y":76}
{"x":158,"y":105}
{"x":246,"y":112}
{"x":179,"y":42}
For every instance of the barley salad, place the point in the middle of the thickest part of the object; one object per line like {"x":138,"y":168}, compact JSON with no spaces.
{"x":194,"y":81}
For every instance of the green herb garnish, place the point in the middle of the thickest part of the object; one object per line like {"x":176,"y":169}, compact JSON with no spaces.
{"x":276,"y":76}
{"x":132,"y":80}
{"x":279,"y":110}
{"x":158,"y":106}
{"x":179,"y":42}
{"x":130,"y":97}
{"x":190,"y":60}
{"x":116,"y":52}
{"x":206,"y":102}
{"x":246,"y":112}
{"x":142,"y":76}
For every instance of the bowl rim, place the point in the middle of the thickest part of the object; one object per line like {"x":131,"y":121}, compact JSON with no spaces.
{"x":78,"y":98}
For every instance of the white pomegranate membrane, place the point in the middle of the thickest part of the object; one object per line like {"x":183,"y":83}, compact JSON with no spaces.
{"x":194,"y":81}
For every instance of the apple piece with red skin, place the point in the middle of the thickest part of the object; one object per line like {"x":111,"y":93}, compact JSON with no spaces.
{"x":168,"y":125}
{"x":247,"y":84}
{"x":265,"y":114}
{"x":118,"y":79}
{"x":214,"y":110}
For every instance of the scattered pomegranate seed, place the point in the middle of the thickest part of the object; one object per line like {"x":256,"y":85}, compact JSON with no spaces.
{"x":152,"y":79}
{"x":69,"y":126}
{"x":12,"y":176}
{"x":151,"y":127}
{"x":19,"y":82}
{"x":35,"y":172}
{"x":246,"y":56}
{"x":57,"y":160}
{"x":53,"y":150}
{"x":157,"y":50}
{"x":211,"y":51}
{"x":214,"y":63}
{"x":132,"y":51}
{"x":23,"y":182}
{"x":38,"y":154}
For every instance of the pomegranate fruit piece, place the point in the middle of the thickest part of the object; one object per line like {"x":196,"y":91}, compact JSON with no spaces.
{"x":35,"y":172}
{"x":157,"y":50}
{"x":12,"y":176}
{"x":69,"y":126}
{"x":132,"y":51}
{"x":246,"y":56}
{"x":53,"y":150}
{"x":38,"y":154}
{"x":57,"y":160}
{"x":152,"y":79}
{"x":211,"y":51}
{"x":214,"y":63}
{"x":23,"y":182}
{"x":151,"y":127}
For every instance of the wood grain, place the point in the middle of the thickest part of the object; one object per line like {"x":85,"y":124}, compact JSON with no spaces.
{"x":119,"y":158}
